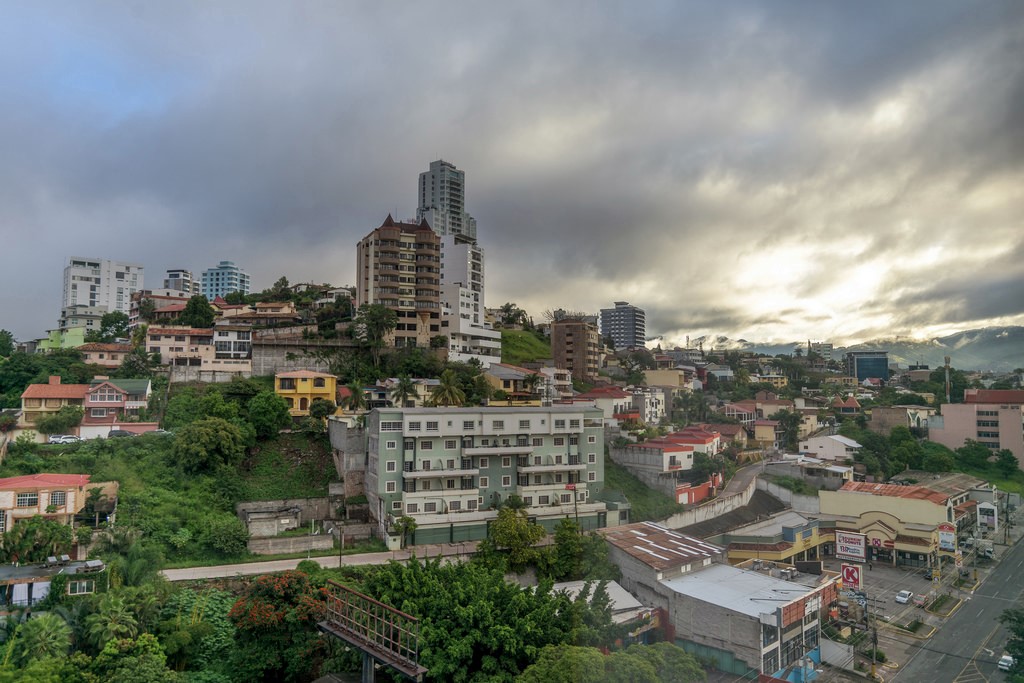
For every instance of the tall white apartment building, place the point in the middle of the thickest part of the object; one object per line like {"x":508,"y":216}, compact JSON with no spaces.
{"x":442,"y":200}
{"x":181,"y":280}
{"x":100,"y":284}
{"x":462,"y":303}
{"x":224,"y":279}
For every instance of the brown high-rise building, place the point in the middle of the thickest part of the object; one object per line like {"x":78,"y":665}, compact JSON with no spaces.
{"x":398,"y":265}
{"x":575,"y":346}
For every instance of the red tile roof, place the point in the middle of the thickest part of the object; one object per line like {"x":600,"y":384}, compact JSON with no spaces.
{"x":604,"y":392}
{"x":191,"y":331}
{"x":44,"y":480}
{"x":96,"y":346}
{"x":55,"y":391}
{"x":296,"y":374}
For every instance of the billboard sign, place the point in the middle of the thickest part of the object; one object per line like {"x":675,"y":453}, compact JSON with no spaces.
{"x":947,"y":538}
{"x":851,"y":546}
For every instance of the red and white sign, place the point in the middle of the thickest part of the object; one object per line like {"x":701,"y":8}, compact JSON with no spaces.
{"x":851,"y":546}
{"x":851,"y":577}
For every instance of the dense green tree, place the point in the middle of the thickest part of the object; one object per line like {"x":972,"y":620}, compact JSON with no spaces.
{"x":43,"y":637}
{"x":6,"y":343}
{"x":1006,"y":462}
{"x":937,"y":458}
{"x":34,"y":539}
{"x":276,"y":636}
{"x":206,"y":444}
{"x":114,"y":620}
{"x":197,"y":313}
{"x":195,"y":631}
{"x":672,"y":664}
{"x":320,"y":409}
{"x":356,"y":399}
{"x":789,"y":421}
{"x":475,"y":625}
{"x":113,"y":326}
{"x":448,"y":392}
{"x":226,"y":536}
{"x":566,"y":664}
{"x":268,"y":414}
{"x":133,"y":660}
{"x":138,"y":364}
{"x":513,"y":533}
{"x":371,"y":325}
{"x":62,"y":421}
{"x":973,"y":455}
{"x":191,"y":404}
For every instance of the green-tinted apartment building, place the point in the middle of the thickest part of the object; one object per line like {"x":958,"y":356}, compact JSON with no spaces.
{"x":450,"y":468}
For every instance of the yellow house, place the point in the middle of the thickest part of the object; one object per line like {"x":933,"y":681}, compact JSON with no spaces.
{"x":301,"y":387}
{"x":786,"y":537}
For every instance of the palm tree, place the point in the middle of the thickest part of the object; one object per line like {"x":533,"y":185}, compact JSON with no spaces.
{"x":531,"y":382}
{"x":114,"y":620}
{"x":448,"y":392}
{"x":356,"y":400}
{"x":43,"y":637}
{"x":403,"y":390}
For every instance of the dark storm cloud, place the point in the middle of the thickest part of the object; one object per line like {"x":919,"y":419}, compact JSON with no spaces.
{"x":741,"y":170}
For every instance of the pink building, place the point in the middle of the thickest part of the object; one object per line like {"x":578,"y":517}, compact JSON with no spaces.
{"x":993,"y":418}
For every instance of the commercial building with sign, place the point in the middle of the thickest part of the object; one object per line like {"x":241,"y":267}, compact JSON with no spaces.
{"x":758,"y":617}
{"x":897,"y":525}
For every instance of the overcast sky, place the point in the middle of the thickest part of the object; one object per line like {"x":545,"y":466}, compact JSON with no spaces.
{"x":775,"y":171}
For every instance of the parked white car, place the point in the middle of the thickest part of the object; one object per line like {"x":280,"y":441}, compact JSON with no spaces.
{"x":63,"y":438}
{"x":1005,"y":663}
{"x":903,"y":597}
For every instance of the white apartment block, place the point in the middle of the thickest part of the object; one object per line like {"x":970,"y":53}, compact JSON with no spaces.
{"x":182,"y":280}
{"x":463,"y":317}
{"x":101,"y":283}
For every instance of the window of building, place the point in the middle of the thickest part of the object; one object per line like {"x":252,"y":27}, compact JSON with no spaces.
{"x":319,"y":382}
{"x":396,"y":505}
{"x":425,"y":485}
{"x":97,"y":412}
{"x":455,"y":505}
{"x":538,"y":441}
{"x":558,"y":478}
{"x":449,"y":483}
{"x":27,"y":500}
{"x":566,"y":497}
{"x":81,"y":586}
{"x":524,"y":424}
{"x":412,"y":508}
{"x":58,"y":498}
{"x":591,"y":458}
{"x":559,"y":440}
{"x":591,"y":476}
{"x":391,"y":466}
{"x":3,"y":521}
{"x":506,"y":462}
{"x":574,"y":441}
{"x":506,"y":481}
{"x":451,"y":444}
{"x":543,"y":500}
{"x":484,"y":463}
{"x":591,"y":439}
{"x":559,"y":424}
{"x":391,"y":445}
{"x":390,"y":487}
{"x":432,"y":426}
{"x":427,"y":446}
{"x":484,"y":482}
{"x":467,"y":424}
{"x":498,"y":424}
{"x":430,"y":507}
{"x":414,"y":426}
{"x":471,"y":505}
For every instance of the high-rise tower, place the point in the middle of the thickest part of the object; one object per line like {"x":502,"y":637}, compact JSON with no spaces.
{"x":442,"y":200}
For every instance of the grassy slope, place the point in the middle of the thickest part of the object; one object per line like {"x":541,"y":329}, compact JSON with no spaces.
{"x":518,"y":346}
{"x":647,"y":504}
{"x":291,"y":466}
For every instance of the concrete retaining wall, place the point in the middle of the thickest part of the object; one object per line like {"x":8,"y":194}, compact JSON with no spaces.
{"x":715,"y":508}
{"x":306,"y":509}
{"x":290,"y":544}
{"x":184,"y":373}
{"x":805,"y":504}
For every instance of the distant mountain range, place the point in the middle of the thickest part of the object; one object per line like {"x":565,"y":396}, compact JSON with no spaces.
{"x":998,"y":349}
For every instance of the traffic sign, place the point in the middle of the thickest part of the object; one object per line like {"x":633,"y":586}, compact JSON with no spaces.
{"x":851,"y":576}
{"x":959,"y":560}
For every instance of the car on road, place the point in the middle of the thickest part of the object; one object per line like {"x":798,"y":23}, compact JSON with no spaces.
{"x":1005,"y":663}
{"x":115,"y":433}
{"x":63,"y":438}
{"x":903,"y":597}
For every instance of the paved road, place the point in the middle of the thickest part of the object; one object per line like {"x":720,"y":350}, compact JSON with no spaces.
{"x":450,"y":550}
{"x":967,"y":647}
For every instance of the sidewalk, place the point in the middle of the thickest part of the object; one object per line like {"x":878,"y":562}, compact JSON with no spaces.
{"x":449,"y":550}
